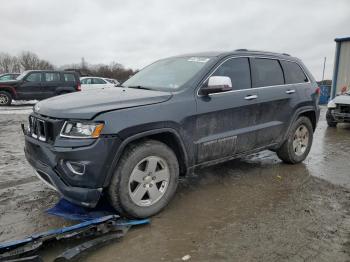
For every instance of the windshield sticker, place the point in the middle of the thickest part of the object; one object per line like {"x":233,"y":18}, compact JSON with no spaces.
{"x":198,"y":59}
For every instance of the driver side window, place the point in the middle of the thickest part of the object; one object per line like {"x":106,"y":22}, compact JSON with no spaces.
{"x":98,"y":81}
{"x":238,"y":70}
{"x":34,"y":77}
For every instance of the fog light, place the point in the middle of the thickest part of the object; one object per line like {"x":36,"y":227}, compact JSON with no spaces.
{"x":76,"y":168}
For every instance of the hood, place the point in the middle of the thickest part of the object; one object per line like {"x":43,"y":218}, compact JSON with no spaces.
{"x":85,"y":105}
{"x":8,"y":82}
{"x":342,"y":99}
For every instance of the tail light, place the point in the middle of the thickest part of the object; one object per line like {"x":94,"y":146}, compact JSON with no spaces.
{"x":318,"y":90}
{"x":79,"y":87}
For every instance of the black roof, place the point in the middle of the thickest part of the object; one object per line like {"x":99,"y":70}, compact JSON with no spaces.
{"x":240,"y":52}
{"x":49,"y":71}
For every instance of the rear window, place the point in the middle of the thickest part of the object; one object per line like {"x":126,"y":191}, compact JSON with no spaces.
{"x":266,"y":72}
{"x":68,"y":77}
{"x":293,"y":73}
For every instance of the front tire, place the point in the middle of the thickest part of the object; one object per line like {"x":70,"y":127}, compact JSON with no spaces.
{"x":330,"y":119}
{"x":5,"y":98}
{"x":298,"y":144}
{"x":145,"y":179}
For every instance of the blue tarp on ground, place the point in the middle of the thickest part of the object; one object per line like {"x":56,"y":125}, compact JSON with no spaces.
{"x":71,"y":211}
{"x":103,"y":212}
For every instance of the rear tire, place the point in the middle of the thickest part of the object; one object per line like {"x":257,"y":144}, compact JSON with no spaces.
{"x":145,"y":179}
{"x":330,"y":119}
{"x":298,"y":144}
{"x":5,"y":98}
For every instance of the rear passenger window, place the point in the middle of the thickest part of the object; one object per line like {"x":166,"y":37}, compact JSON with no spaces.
{"x":293,"y":73}
{"x":68,"y":77}
{"x":52,"y":77}
{"x":266,"y":72}
{"x":238,"y":70}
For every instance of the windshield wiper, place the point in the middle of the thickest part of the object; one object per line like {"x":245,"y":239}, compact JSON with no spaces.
{"x":140,"y":87}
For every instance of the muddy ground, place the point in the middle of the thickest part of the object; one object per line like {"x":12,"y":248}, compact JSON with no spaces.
{"x":252,"y":209}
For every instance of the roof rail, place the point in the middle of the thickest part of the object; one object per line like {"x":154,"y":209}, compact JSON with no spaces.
{"x":259,"y":51}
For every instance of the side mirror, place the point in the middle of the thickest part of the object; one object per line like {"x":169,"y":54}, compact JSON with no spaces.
{"x":217,"y":84}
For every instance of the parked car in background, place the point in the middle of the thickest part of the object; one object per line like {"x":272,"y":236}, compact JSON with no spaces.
{"x":132,"y":143}
{"x":91,"y":83}
{"x":339,"y":110}
{"x":113,"y":81}
{"x":38,"y":85}
{"x":8,"y":76}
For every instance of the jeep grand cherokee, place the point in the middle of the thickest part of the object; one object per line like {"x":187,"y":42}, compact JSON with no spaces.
{"x":177,"y":114}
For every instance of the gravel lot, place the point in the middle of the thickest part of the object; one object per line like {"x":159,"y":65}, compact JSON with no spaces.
{"x":251,"y":209}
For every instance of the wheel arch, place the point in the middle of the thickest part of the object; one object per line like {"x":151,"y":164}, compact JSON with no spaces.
{"x":168,"y":136}
{"x":308,"y":112}
{"x":9,"y":89}
{"x":312,"y":116}
{"x":64,"y":90}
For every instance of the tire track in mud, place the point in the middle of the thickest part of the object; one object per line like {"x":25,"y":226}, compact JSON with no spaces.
{"x":13,"y":183}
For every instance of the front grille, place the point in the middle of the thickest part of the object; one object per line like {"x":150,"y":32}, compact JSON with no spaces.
{"x":344,"y":109}
{"x":39,"y":129}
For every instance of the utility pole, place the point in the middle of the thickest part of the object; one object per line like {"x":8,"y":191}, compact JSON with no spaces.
{"x":324,"y":68}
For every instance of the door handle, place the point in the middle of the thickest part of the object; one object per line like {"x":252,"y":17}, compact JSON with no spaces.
{"x":291,"y":91}
{"x":251,"y":97}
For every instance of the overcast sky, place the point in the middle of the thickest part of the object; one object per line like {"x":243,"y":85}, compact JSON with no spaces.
{"x":136,"y":33}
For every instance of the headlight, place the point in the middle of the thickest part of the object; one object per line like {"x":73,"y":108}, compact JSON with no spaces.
{"x":331,"y":104}
{"x":81,"y":129}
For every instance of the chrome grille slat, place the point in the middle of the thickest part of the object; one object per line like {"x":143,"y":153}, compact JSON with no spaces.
{"x":38,"y":128}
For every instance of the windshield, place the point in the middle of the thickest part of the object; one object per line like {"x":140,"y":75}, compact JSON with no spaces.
{"x":22,"y":75}
{"x":167,"y":74}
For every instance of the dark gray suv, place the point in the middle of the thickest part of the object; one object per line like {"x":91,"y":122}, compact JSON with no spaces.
{"x":131,"y":144}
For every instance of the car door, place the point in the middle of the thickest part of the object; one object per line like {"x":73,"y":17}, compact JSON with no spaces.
{"x":30,"y":87}
{"x":86,"y":84}
{"x":274,"y":108}
{"x":98,"y":83}
{"x":52,"y":81}
{"x":225,"y":121}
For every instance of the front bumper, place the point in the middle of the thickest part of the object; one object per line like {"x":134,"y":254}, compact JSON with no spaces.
{"x":340,"y":117}
{"x":50,"y":164}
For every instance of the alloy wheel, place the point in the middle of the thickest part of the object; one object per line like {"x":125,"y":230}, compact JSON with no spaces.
{"x":301,"y":140}
{"x":3,"y":99}
{"x":149,"y":181}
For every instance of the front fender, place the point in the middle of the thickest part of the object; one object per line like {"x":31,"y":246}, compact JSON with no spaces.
{"x":9,"y":89}
{"x":138,"y":136}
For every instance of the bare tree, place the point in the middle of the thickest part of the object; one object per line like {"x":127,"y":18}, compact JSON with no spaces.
{"x":9,"y":64}
{"x":44,"y":65}
{"x":16,"y":65}
{"x":5,"y":62}
{"x":30,"y":61}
